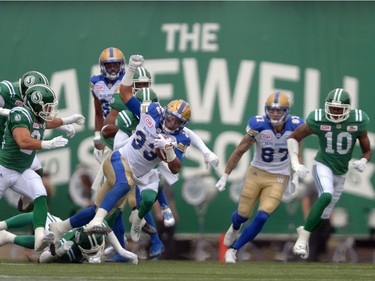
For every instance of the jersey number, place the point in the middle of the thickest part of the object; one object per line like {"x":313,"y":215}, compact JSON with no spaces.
{"x":268,"y":153}
{"x":139,"y":142}
{"x":339,"y":143}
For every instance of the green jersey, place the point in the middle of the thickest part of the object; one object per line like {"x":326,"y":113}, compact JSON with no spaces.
{"x":337,"y":140}
{"x":74,"y":255}
{"x":11,"y":97}
{"x":11,"y":155}
{"x":126,"y":120}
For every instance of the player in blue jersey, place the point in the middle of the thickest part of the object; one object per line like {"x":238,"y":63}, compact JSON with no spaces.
{"x":158,"y":128}
{"x":269,"y":172}
{"x":338,"y":127}
{"x":135,"y":161}
{"x":112,"y":69}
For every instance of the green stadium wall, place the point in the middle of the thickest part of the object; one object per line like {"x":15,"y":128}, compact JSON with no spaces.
{"x":224,"y":58}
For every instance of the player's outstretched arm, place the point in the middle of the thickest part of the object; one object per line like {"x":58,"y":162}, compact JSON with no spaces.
{"x":112,"y":239}
{"x":126,"y":92}
{"x":209,"y":156}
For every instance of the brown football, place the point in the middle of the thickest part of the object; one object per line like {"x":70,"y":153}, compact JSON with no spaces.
{"x":161,"y":154}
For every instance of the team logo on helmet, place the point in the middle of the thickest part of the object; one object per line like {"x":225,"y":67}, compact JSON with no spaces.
{"x":29,"y":80}
{"x":36,"y":97}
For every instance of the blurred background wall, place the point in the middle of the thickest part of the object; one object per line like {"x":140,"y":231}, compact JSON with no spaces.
{"x":224,"y":58}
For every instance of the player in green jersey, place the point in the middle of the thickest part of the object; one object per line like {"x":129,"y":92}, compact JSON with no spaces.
{"x":23,"y":135}
{"x":12,"y":94}
{"x":76,"y":246}
{"x":338,"y":127}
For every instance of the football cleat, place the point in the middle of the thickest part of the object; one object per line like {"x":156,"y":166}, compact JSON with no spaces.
{"x":156,"y":249}
{"x":57,"y":229}
{"x":230,"y":236}
{"x":5,"y":237}
{"x":301,"y":248}
{"x":137,"y":224}
{"x":230,"y":256}
{"x":149,"y":229}
{"x":168,"y":217}
{"x":46,"y":241}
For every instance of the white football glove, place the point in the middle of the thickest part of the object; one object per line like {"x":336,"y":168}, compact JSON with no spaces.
{"x":161,"y":142}
{"x":64,"y":248}
{"x":360,"y":165}
{"x":68,"y":129}
{"x":4,"y":111}
{"x":220,"y":185}
{"x":59,"y":141}
{"x":97,"y":139}
{"x":135,"y":61}
{"x":75,"y":118}
{"x":301,"y":171}
{"x":99,"y":154}
{"x":211,"y":158}
{"x":294,"y":185}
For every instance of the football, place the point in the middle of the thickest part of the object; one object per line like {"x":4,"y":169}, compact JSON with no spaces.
{"x":161,"y":154}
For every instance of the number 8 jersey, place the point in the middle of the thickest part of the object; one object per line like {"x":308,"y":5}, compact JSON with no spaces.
{"x":271,"y":151}
{"x":337,"y":139}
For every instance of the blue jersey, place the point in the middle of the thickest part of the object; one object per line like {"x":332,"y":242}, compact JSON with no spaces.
{"x":271,"y":149}
{"x":103,"y":89}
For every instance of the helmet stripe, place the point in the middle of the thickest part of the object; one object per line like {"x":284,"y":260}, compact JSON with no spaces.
{"x":277,"y":95}
{"x":10,"y":87}
{"x":337,"y":95}
{"x":146,"y":92}
{"x":142,"y":71}
{"x":111,"y":52}
{"x":181,"y":109}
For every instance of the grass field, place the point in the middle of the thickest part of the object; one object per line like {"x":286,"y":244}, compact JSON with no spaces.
{"x":187,"y":271}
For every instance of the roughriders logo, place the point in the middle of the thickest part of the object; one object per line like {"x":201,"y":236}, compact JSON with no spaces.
{"x":29,"y":81}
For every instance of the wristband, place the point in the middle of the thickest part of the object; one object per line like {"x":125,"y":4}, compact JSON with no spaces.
{"x":170,"y":154}
{"x":127,"y":80}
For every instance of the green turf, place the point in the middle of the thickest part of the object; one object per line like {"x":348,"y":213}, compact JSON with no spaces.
{"x":187,"y":270}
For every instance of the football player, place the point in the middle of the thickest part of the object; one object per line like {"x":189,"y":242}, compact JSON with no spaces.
{"x":268,"y":174}
{"x":112,"y":69}
{"x":338,"y":127}
{"x":78,"y":245}
{"x":24,"y":131}
{"x":13,"y":94}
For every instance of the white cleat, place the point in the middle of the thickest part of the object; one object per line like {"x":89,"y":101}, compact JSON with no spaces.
{"x":6,"y":237}
{"x":57,"y":229}
{"x":45,"y":242}
{"x":137,"y":224}
{"x":301,"y":248}
{"x":230,"y":236}
{"x":168,"y":217}
{"x":230,"y":256}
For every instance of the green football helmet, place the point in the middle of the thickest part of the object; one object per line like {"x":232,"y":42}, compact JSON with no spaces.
{"x":141,"y":79}
{"x":42,"y":101}
{"x":29,"y":79}
{"x":337,"y":105}
{"x":146,"y":96}
{"x":91,"y":245}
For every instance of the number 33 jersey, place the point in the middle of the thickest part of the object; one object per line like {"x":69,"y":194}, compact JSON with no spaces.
{"x":139,"y":151}
{"x":337,"y":140}
{"x":271,"y":149}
